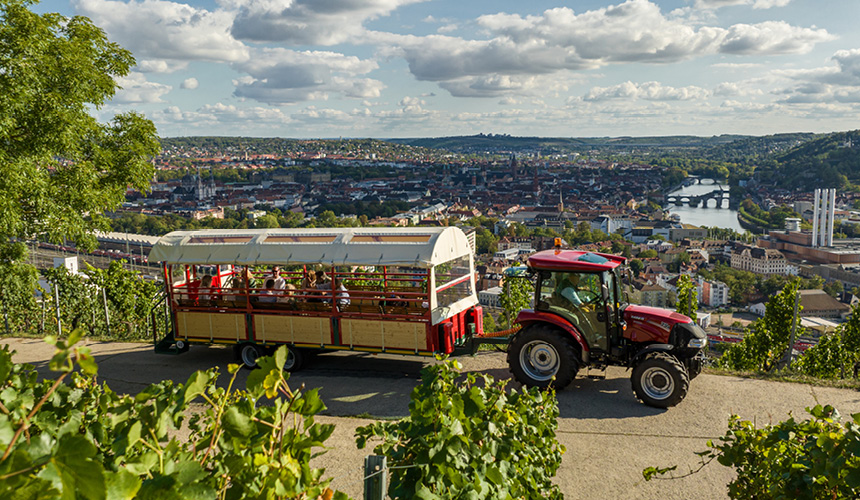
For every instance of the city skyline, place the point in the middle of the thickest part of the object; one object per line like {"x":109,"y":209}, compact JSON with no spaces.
{"x":412,"y":68}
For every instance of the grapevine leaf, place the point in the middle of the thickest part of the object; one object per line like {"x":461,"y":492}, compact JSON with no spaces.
{"x":237,"y":423}
{"x":122,"y":485}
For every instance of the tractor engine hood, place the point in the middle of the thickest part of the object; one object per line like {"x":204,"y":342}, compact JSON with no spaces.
{"x":651,"y":324}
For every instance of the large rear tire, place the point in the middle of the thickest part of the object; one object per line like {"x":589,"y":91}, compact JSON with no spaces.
{"x":542,"y":356}
{"x":660,"y":380}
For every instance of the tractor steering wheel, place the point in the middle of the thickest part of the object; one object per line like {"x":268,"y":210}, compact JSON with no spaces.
{"x":588,"y":297}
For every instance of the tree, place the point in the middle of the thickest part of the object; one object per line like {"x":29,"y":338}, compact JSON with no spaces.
{"x":637,"y":266}
{"x":61,"y":168}
{"x":648,"y":254}
{"x":834,"y":288}
{"x":688,"y":303}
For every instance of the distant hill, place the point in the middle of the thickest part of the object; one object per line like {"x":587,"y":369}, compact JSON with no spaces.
{"x":827,"y":161}
{"x":746,"y":148}
{"x":501,"y":143}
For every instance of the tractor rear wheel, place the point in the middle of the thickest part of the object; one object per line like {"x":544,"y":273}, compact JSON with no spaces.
{"x":660,"y":380}
{"x":540,"y":356}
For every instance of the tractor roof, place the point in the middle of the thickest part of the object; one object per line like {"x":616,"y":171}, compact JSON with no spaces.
{"x":574,"y":260}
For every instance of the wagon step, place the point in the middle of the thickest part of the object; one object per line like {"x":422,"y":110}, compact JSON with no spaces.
{"x":169,"y":345}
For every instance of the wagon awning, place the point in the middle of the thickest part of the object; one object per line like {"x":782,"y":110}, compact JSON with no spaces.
{"x":384,"y":246}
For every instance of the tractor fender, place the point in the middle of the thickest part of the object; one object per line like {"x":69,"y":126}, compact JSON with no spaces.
{"x":667,"y":348}
{"x":529,"y":317}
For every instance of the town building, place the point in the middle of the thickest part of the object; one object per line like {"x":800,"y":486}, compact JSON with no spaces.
{"x":759,"y":260}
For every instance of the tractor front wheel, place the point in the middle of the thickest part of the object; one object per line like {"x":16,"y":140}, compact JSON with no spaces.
{"x":660,"y":380}
{"x":541,"y":356}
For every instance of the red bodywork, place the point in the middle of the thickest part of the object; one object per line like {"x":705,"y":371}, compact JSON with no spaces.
{"x":574,"y":261}
{"x":650,"y":324}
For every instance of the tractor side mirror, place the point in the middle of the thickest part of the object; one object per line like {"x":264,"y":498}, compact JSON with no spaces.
{"x":604,"y":291}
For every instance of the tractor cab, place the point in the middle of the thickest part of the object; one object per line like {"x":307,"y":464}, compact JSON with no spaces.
{"x":583,"y":289}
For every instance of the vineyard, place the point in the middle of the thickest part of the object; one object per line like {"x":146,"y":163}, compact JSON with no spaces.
{"x":114,"y":303}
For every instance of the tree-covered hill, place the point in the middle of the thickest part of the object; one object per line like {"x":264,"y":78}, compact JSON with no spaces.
{"x":828,"y":161}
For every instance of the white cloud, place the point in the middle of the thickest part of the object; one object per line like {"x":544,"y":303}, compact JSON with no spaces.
{"x":649,"y":91}
{"x":734,"y":89}
{"x":522,"y":47}
{"x":278,"y":76}
{"x":135,"y":89}
{"x":756,"y":4}
{"x":771,"y":37}
{"x":162,"y":30}
{"x":190,"y":84}
{"x":308,"y":22}
{"x":834,"y":83}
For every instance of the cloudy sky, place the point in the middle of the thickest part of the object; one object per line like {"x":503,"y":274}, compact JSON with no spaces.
{"x":418,"y":68}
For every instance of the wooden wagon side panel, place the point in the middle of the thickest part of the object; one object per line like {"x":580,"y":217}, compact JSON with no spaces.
{"x":292,"y":329}
{"x":211,"y":327}
{"x":384,"y":335}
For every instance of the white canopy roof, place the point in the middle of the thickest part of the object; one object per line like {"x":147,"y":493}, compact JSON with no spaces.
{"x":385,"y":246}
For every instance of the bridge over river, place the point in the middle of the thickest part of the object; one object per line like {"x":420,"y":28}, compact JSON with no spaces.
{"x":704,"y":200}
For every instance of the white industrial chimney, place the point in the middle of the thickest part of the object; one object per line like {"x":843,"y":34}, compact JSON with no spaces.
{"x":815,"y":219}
{"x":824,"y":211}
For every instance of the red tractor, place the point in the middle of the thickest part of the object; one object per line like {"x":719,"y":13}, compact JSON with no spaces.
{"x":581,"y":320}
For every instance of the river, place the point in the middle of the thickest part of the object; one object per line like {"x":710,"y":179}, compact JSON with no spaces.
{"x":699,"y":216}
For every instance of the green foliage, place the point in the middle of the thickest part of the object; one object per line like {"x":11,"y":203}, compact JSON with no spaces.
{"x":472,"y":439}
{"x":815,"y":459}
{"x":82,"y":440}
{"x":688,"y":302}
{"x":17,"y":300}
{"x":764,"y":345}
{"x":517,"y":293}
{"x":61,"y":168}
{"x":82,"y":299}
{"x":826,"y":359}
{"x":648,"y":254}
{"x":836,"y":354}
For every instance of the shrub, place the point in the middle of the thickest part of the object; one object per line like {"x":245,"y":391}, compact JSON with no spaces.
{"x":470,"y":439}
{"x":815,"y":459}
{"x":82,"y":440}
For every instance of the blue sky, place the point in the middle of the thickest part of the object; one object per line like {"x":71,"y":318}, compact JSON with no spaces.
{"x":416,"y":68}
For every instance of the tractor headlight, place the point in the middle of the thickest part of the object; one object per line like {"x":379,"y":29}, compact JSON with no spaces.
{"x":697,"y":343}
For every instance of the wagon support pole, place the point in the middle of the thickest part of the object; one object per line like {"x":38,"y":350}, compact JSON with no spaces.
{"x":107,"y":314}
{"x":375,"y":478}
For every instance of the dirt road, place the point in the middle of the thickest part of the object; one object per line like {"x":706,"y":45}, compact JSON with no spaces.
{"x":610,"y":437}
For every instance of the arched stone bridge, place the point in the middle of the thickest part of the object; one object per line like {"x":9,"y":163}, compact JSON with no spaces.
{"x":718,"y":195}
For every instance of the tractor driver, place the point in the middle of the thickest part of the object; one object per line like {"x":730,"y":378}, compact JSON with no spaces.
{"x":567,"y":288}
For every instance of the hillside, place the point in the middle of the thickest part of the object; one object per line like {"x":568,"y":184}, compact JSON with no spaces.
{"x":829,"y":161}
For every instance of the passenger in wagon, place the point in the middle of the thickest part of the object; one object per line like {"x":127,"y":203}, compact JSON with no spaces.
{"x":268,"y":295}
{"x":280,"y":283}
{"x":309,"y":282}
{"x":289,"y":294}
{"x":342,"y":293}
{"x":205,"y":289}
